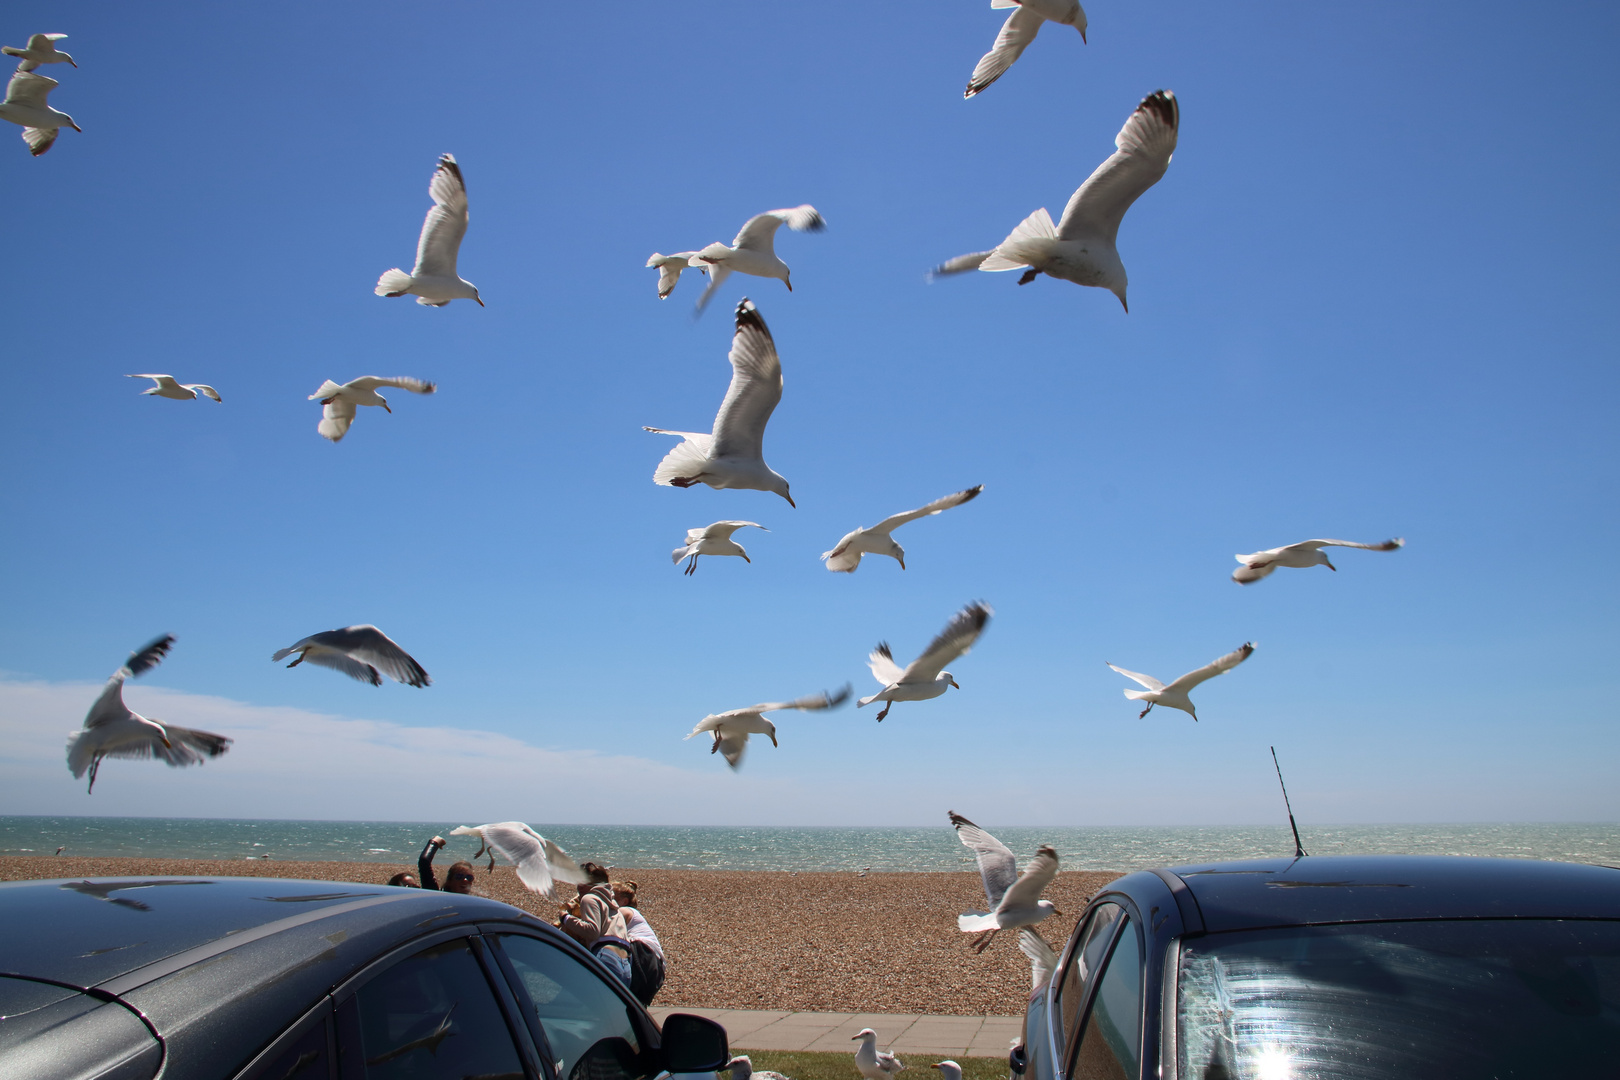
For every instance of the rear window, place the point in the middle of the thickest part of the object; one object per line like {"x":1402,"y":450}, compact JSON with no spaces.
{"x":1459,"y":1000}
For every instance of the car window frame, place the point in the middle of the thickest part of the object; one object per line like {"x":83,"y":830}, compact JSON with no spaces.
{"x":319,"y":1013}
{"x":1133,"y":918}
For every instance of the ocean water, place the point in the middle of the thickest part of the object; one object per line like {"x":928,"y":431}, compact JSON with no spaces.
{"x":803,"y":849}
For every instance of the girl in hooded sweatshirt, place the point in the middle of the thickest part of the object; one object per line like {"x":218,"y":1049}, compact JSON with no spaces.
{"x":596,"y":916}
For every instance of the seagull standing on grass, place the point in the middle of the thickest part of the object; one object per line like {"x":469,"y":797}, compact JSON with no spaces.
{"x":732,"y":728}
{"x":26,"y":105}
{"x":167,"y":387}
{"x":540,"y":862}
{"x":1175,"y":696}
{"x":340,"y":403}
{"x":1081,"y":248}
{"x":873,"y":1064}
{"x":1018,"y":31}
{"x":434,"y":280}
{"x":742,"y":1068}
{"x":754,"y":249}
{"x":948,"y":1070}
{"x":734,"y":455}
{"x":669,"y":275}
{"x":926,"y":676}
{"x":111,"y":729}
{"x":1298,"y":556}
{"x":360,"y":652}
{"x":1014,"y":900}
{"x":846,"y":555}
{"x":713,"y":540}
{"x":41,"y":49}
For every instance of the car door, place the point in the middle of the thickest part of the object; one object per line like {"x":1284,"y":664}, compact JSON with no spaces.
{"x":1108,"y":1044}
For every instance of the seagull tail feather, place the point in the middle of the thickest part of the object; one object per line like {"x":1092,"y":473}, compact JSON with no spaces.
{"x":393,"y":282}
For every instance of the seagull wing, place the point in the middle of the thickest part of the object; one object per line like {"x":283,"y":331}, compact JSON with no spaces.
{"x":961,"y":264}
{"x":884,"y":669}
{"x":756,"y":387}
{"x":205,"y":390}
{"x":30,"y":88}
{"x":1146,"y":680}
{"x":1042,"y":959}
{"x":889,"y":524}
{"x":370,"y":645}
{"x":351,"y":667}
{"x":188,"y":746}
{"x":953,"y":641}
{"x":149,"y":656}
{"x":997,"y":864}
{"x":39,"y":140}
{"x":164,"y":381}
{"x":110,"y":705}
{"x":823,"y":700}
{"x":721,"y":530}
{"x":718,"y":272}
{"x":1387,"y":545}
{"x":1145,"y":145}
{"x":403,"y":382}
{"x":336,"y":416}
{"x":1034,"y":880}
{"x":844,"y":557}
{"x":445,"y":224}
{"x":1016,"y":34}
{"x":1209,"y":671}
{"x":526,"y":849}
{"x":759,"y":234}
{"x":733,"y":744}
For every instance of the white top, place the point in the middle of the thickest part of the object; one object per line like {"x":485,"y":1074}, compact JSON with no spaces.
{"x":639,"y":930}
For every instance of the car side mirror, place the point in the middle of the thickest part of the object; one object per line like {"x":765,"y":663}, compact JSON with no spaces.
{"x":694,"y":1044}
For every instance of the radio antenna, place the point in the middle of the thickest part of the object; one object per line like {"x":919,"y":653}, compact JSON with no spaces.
{"x":1299,"y":850}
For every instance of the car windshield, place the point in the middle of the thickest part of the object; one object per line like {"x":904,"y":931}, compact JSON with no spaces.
{"x":1452,"y":1000}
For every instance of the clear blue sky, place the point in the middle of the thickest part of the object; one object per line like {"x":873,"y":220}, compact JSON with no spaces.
{"x":1374,"y":296}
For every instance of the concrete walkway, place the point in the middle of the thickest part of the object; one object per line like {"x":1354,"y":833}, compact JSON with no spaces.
{"x":898,"y":1033}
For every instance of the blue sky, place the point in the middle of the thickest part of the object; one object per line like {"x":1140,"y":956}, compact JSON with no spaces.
{"x":1372,"y":297}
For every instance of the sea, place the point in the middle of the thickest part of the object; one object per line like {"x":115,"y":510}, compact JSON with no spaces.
{"x":801,"y":849}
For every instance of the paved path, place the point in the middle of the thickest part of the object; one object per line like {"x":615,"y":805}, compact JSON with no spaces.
{"x":898,"y":1033}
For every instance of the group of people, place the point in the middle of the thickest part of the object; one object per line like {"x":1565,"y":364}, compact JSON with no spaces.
{"x":603,"y":917}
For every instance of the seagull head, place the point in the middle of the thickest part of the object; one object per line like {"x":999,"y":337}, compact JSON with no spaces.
{"x":780,"y":486}
{"x":1119,"y":291}
{"x":949,"y":1070}
{"x":948,"y":677}
{"x":478,"y":298}
{"x":1048,"y":907}
{"x":864,"y":1033}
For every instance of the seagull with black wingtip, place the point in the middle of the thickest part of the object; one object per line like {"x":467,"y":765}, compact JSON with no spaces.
{"x":360,"y":652}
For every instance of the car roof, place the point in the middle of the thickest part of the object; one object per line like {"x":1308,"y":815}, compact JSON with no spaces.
{"x":1253,"y":893}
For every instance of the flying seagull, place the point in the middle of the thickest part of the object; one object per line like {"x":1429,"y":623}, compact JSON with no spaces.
{"x":872,"y":1064}
{"x":167,"y":387}
{"x":713,"y":540}
{"x":1081,"y":248}
{"x":754,"y":249}
{"x":926,"y":677}
{"x":434,"y":281}
{"x":734,"y":455}
{"x":1175,"y":696}
{"x":112,"y":730}
{"x":1043,"y":959}
{"x":103,"y":890}
{"x":669,"y":275}
{"x":1015,"y":900}
{"x":846,"y":554}
{"x":26,"y":106}
{"x":732,"y":728}
{"x":340,"y":402}
{"x":360,"y":652}
{"x":41,"y":49}
{"x":540,"y":862}
{"x":1300,"y":555}
{"x":1018,"y":31}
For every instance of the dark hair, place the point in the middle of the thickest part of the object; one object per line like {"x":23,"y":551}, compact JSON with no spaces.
{"x":598,"y":875}
{"x":400,"y":879}
{"x":461,"y":867}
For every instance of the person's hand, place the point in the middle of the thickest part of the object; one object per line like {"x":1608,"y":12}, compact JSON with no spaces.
{"x":437,"y":841}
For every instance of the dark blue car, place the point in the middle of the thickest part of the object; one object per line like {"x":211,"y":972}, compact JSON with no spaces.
{"x":264,"y":978}
{"x":1337,"y":968}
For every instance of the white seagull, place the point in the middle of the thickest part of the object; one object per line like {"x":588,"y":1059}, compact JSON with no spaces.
{"x":742,"y":1068}
{"x":1175,"y":696}
{"x":1043,"y":959}
{"x":26,"y":105}
{"x":873,"y":1064}
{"x":1081,"y":248}
{"x":754,"y":249}
{"x":846,"y":554}
{"x":167,"y":387}
{"x":734,"y":455}
{"x":434,"y":281}
{"x":1300,"y":555}
{"x":1015,"y":900}
{"x":926,"y":677}
{"x":732,"y":728}
{"x":41,"y":49}
{"x":1018,"y":31}
{"x":713,"y":540}
{"x":948,"y":1069}
{"x":540,"y":862}
{"x":669,"y":275}
{"x":340,"y":402}
{"x":112,"y":730}
{"x":359,"y":652}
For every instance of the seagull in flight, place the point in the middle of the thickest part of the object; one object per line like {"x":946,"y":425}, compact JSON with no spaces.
{"x":1081,"y":248}
{"x":103,"y":890}
{"x":25,"y":105}
{"x":713,"y":540}
{"x":540,"y":862}
{"x":360,"y":652}
{"x":434,"y":280}
{"x":339,"y":403}
{"x":1300,"y":555}
{"x":1043,"y":959}
{"x":754,"y":249}
{"x":846,"y":554}
{"x":1015,"y":900}
{"x":112,"y":729}
{"x":1175,"y":696}
{"x":926,"y":677}
{"x":732,"y":728}
{"x":734,"y":455}
{"x":41,"y":49}
{"x":1018,"y":31}
{"x":167,"y":387}
{"x":669,"y":273}
{"x":873,"y":1064}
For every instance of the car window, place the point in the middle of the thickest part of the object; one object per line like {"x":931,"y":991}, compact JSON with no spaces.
{"x":1111,"y":1045}
{"x":303,"y":1058}
{"x":434,"y":1015}
{"x":1082,"y":962}
{"x":588,"y":1025}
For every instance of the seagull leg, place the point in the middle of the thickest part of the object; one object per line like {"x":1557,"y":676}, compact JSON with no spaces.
{"x":492,"y":860}
{"x":298,"y":661}
{"x":1029,"y":276}
{"x":1145,"y":711}
{"x":715,"y":748}
{"x":95,"y":767}
{"x":984,"y":939}
{"x":691,"y":566}
{"x":887,"y":705}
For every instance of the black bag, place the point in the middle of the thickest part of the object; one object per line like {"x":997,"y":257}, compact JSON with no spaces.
{"x":646,"y":972}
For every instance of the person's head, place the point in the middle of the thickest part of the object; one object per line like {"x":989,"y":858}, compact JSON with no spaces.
{"x":624,"y":893}
{"x":459,"y":878}
{"x":405,"y":880}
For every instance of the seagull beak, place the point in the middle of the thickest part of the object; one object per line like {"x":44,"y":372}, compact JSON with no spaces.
{"x":76,"y":127}
{"x":791,"y":503}
{"x":480,"y":302}
{"x":955,"y":683}
{"x":1055,"y":911}
{"x":746,"y":559}
{"x":1083,"y":39}
{"x":788,"y":283}
{"x":902,"y":559}
{"x":387,"y":409}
